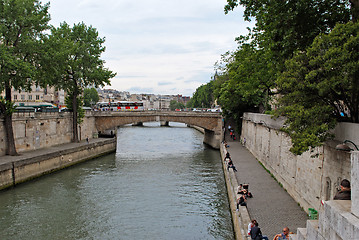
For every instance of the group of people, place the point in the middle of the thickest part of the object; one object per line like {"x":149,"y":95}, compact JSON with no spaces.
{"x":254,"y":231}
{"x":256,"y":234}
{"x":231,"y":132}
{"x":227,"y":159}
{"x":244,"y":194}
{"x":253,"y":228}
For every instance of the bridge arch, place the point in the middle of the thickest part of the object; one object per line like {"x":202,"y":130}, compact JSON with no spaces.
{"x":211,"y":122}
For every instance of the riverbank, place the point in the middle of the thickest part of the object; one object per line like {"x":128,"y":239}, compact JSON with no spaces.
{"x":32,"y":164}
{"x":241,"y":217}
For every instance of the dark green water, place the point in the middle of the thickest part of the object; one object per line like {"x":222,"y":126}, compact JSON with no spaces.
{"x":162,"y":183}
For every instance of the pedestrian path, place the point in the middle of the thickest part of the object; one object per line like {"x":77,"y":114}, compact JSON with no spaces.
{"x":271,"y":205}
{"x":44,"y":151}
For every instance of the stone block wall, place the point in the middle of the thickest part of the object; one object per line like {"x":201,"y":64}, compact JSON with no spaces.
{"x":39,"y":130}
{"x":309,"y":178}
{"x":339,"y":218}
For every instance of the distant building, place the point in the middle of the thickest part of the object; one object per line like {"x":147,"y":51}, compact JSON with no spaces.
{"x":38,"y":94}
{"x":150,"y":101}
{"x":183,"y":99}
{"x":112,"y":95}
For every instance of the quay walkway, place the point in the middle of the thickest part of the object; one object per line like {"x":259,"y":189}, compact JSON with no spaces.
{"x":32,"y":164}
{"x":271,"y":205}
{"x":46,"y":151}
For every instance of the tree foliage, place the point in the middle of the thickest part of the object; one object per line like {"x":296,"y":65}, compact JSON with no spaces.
{"x":321,"y":86}
{"x":90,"y":97}
{"x":73,"y":56}
{"x":176,"y":105}
{"x":22,"y":23}
{"x":203,"y":96}
{"x":277,"y":56}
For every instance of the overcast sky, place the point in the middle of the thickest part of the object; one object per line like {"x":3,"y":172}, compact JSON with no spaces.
{"x":157,"y":46}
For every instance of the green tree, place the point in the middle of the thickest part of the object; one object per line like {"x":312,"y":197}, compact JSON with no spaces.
{"x":284,"y":27}
{"x":284,"y":30}
{"x":247,"y":78}
{"x":189,"y":104}
{"x":22,"y":23}
{"x":203,"y":96}
{"x":73,"y":56}
{"x":90,"y":97}
{"x":176,"y":105}
{"x":321,"y":86}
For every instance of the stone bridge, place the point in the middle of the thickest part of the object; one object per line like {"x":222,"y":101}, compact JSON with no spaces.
{"x":210,"y":122}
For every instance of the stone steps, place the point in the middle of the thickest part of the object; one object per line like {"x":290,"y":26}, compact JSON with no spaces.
{"x":336,"y":222}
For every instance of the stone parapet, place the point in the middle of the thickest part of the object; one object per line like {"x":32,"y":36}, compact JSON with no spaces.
{"x":240,"y":218}
{"x":355,"y":182}
{"x":41,"y":130}
{"x":301,"y":234}
{"x":336,"y":222}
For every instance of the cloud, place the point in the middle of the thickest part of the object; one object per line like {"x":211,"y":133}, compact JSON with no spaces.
{"x":168,"y":47}
{"x":164,"y":83}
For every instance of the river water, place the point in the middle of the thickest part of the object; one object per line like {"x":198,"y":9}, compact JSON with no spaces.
{"x":162,"y":183}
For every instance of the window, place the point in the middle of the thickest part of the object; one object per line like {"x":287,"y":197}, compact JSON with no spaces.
{"x":37,"y":97}
{"x":22,"y":97}
{"x":30,"y":97}
{"x":15,"y":97}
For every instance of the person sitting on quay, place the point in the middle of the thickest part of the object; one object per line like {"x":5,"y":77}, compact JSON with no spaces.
{"x":244,"y":190}
{"x":282,"y":236}
{"x":241,"y":201}
{"x":250,"y":225}
{"x":247,"y":193}
{"x":227,"y":157}
{"x":256,"y":233}
{"x":224,"y":142}
{"x":231,"y":165}
{"x":240,"y":188}
{"x":345,"y":191}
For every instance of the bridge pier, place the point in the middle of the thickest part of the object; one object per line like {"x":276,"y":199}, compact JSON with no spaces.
{"x":212,"y":138}
{"x":164,"y":123}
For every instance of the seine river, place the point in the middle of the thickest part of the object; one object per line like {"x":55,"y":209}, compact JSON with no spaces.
{"x":162,"y":183}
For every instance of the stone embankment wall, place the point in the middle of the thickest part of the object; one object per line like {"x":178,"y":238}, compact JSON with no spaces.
{"x":309,"y":178}
{"x":29,"y":167}
{"x":39,"y":130}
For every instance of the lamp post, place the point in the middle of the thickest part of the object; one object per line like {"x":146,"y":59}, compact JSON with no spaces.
{"x":344,"y":147}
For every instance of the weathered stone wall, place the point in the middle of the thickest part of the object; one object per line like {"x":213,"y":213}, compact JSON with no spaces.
{"x":309,"y":178}
{"x":39,"y":130}
{"x":15,"y":172}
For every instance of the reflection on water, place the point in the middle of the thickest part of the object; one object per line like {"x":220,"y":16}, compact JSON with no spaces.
{"x":161,"y":184}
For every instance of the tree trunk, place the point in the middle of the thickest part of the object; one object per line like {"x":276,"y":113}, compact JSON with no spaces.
{"x":10,"y":140}
{"x":9,"y":133}
{"x":75,"y":136}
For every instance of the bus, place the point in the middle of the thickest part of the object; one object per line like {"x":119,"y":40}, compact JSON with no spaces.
{"x":36,"y":107}
{"x":120,"y":106}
